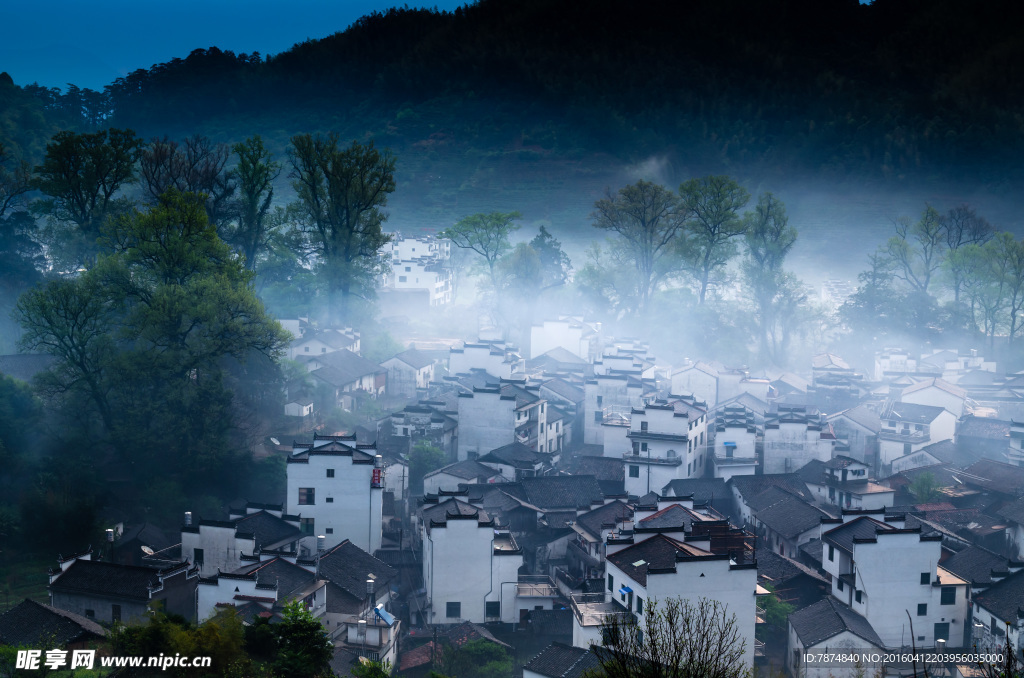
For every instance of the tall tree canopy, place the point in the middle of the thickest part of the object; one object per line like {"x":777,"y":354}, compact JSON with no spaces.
{"x":253,"y":226}
{"x":646,"y":221}
{"x":342,"y":193}
{"x":713,"y":224}
{"x":486,"y":234}
{"x":195,"y":165}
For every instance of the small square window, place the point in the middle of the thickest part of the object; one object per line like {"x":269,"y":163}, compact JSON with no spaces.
{"x":926,"y":578}
{"x":634,"y":471}
{"x":330,"y":473}
{"x":329,"y":500}
{"x":922,"y":609}
{"x":307,"y":496}
{"x":493,"y":609}
{"x":453,"y":610}
{"x":329,"y":530}
{"x":598,"y":417}
{"x":948,"y":595}
{"x":197,"y":556}
{"x":306,"y":525}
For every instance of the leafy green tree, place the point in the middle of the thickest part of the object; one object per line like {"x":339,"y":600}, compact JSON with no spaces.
{"x":555,"y":265}
{"x":144,"y":340}
{"x":918,"y":248}
{"x":646,"y":221}
{"x":776,"y":610}
{"x":254,"y":223}
{"x":195,"y":165}
{"x":925,"y":488}
{"x":487,"y":235}
{"x":303,"y":647}
{"x":476,"y":659}
{"x":371,"y":669}
{"x":342,"y":193}
{"x":963,"y":227}
{"x":424,"y":458}
{"x":677,"y":638}
{"x":712,"y":207}
{"x":769,"y":238}
{"x":83,"y":174}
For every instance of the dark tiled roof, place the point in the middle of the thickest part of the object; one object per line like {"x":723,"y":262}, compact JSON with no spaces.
{"x":670,"y":517}
{"x":522,"y":395}
{"x":912,"y":412}
{"x":812,"y":472}
{"x":948,"y":452}
{"x":704,"y":490}
{"x":812,"y":549}
{"x":564,"y":389}
{"x":940,"y":384}
{"x":1014,"y":511}
{"x":468,"y":469}
{"x":862,"y":416}
{"x":440,"y":511}
{"x":602,"y":468}
{"x":516,"y":455}
{"x":415,"y":359}
{"x":548,"y":623}
{"x":107,"y":579}
{"x":288,"y":577}
{"x":776,"y":569}
{"x":344,"y":367}
{"x":603,"y":517}
{"x":145,"y":533}
{"x":35,"y":624}
{"x":791,"y":517}
{"x":771,"y":495}
{"x":864,"y":527}
{"x":751,"y":486}
{"x":563,"y":661}
{"x":1004,"y":598}
{"x":996,"y":476}
{"x":348,"y":567}
{"x":984,"y":427}
{"x":269,"y":530}
{"x":976,"y":564}
{"x":562,"y":492}
{"x":562,"y":355}
{"x":658,"y":552}
{"x":559,"y":519}
{"x":828,"y":618}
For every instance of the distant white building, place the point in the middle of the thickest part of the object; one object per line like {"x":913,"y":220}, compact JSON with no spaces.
{"x":419,"y":266}
{"x":409,"y":371}
{"x":493,"y":417}
{"x":793,"y":437}
{"x":569,"y":332}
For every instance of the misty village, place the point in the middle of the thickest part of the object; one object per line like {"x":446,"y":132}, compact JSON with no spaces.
{"x":415,"y":351}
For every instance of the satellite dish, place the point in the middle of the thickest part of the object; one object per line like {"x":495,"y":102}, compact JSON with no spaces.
{"x":275,"y":441}
{"x":148,"y":551}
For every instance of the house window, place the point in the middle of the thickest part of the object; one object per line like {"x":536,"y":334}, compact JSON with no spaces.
{"x":453,"y":610}
{"x":922,"y":609}
{"x":408,"y":269}
{"x":307,"y":349}
{"x":831,"y":552}
{"x":643,"y":447}
{"x":542,"y":408}
{"x":995,"y":627}
{"x":639,"y":605}
{"x":636,"y":447}
{"x":857,"y":595}
{"x":599,"y":400}
{"x":926,"y":578}
{"x":197,"y":556}
{"x":542,"y":428}
{"x":307,"y":496}
{"x":906,"y":448}
{"x":402,"y":278}
{"x":115,"y":612}
{"x":91,"y":614}
{"x":329,"y":530}
{"x":330,"y":473}
{"x":306,"y":525}
{"x":643,"y":425}
{"x":598,"y":417}
{"x":329,"y":500}
{"x":611,"y":583}
{"x":948,"y":595}
{"x":634,"y":471}
{"x":839,"y":584}
{"x":493,"y":609}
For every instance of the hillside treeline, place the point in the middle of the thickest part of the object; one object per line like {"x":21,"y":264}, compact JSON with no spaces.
{"x":896,"y":89}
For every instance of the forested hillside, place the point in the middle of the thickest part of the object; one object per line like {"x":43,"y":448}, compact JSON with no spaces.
{"x":897,"y":90}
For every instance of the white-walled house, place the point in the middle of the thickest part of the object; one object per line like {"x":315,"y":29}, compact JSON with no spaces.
{"x":936,"y":393}
{"x":264,"y":583}
{"x":493,"y":417}
{"x":660,"y":567}
{"x":409,"y":371}
{"x":495,"y":358}
{"x":337,"y":486}
{"x":419,"y":265}
{"x":845,"y":482}
{"x":827,"y":626}
{"x":735,"y":442}
{"x":328,"y":340}
{"x":881,"y":570}
{"x":218,"y":545}
{"x":793,"y":436}
{"x":908,"y":427}
{"x":470,"y":566}
{"x":609,"y":398}
{"x":569,"y":332}
{"x":466,"y":472}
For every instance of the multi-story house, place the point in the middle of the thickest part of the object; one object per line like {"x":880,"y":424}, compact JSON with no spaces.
{"x":492,"y":417}
{"x":336,"y":485}
{"x":735,"y":442}
{"x":419,"y":267}
{"x":215,"y":545}
{"x":794,"y":436}
{"x":609,"y":398}
{"x":470,"y":565}
{"x":908,"y":427}
{"x":496,"y":358}
{"x":409,"y":372}
{"x":571,"y":333}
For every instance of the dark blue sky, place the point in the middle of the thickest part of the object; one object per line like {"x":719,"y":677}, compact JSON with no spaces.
{"x":92,"y":42}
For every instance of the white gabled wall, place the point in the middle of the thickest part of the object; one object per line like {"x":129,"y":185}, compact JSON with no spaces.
{"x":345,"y":504}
